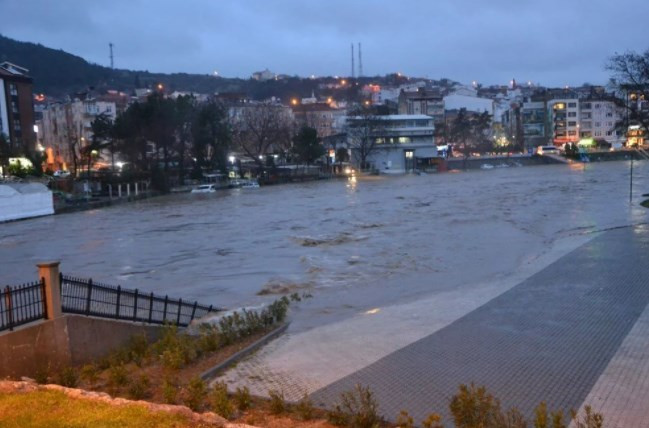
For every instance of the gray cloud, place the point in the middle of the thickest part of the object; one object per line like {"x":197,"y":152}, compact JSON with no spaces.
{"x":554,"y":42}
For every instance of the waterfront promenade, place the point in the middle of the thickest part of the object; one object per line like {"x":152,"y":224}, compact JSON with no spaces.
{"x":574,"y":333}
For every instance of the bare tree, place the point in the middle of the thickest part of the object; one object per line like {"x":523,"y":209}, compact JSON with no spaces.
{"x":630,"y":79}
{"x":364,"y":130}
{"x":259,"y":129}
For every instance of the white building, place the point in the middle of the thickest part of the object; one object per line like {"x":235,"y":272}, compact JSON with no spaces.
{"x":469,"y":103}
{"x":399,"y":143}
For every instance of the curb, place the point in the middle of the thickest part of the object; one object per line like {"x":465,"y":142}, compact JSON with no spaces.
{"x":211,"y":372}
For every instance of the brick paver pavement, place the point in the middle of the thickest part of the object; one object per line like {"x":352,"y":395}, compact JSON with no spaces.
{"x":548,"y":338}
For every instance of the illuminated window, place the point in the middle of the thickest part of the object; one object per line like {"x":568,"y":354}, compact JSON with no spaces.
{"x":559,"y":106}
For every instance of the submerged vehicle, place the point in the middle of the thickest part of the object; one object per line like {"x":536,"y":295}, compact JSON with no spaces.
{"x":205,"y":188}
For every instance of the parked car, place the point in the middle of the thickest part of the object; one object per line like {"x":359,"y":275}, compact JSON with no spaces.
{"x":205,"y":188}
{"x":61,"y":173}
{"x":547,"y":150}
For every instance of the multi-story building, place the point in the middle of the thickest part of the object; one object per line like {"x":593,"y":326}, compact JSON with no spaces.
{"x":423,"y":101}
{"x":67,"y":128}
{"x":320,"y":116}
{"x":392,"y":144}
{"x":17,"y":108}
{"x":573,"y":119}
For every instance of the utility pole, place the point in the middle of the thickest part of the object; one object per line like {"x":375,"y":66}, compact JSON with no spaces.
{"x":110,"y":46}
{"x":631,"y":181}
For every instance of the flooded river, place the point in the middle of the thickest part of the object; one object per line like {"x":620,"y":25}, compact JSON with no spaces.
{"x":354,"y":245}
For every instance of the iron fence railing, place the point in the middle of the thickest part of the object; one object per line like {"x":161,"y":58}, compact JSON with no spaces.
{"x":22,"y":304}
{"x":85,"y":297}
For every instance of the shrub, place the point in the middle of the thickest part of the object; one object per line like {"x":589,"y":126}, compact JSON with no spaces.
{"x":432,"y":421}
{"x":139,"y":388}
{"x":68,"y":377}
{"x":590,"y":419}
{"x":169,"y":391}
{"x":219,"y":401}
{"x":172,"y":359}
{"x":90,"y":374}
{"x":357,"y":408}
{"x":304,"y":408}
{"x":277,"y":402}
{"x":195,"y":393}
{"x":404,"y":420}
{"x":138,"y":348}
{"x":209,"y":339}
{"x":242,"y":398}
{"x":117,"y":376}
{"x":473,"y":406}
{"x":42,"y":374}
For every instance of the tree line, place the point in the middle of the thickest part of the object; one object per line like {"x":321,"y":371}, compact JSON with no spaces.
{"x":165,"y":138}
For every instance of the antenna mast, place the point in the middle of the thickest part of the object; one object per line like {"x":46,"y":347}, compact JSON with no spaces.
{"x":353,"y":69}
{"x":110,"y":45}
{"x":360,"y":61}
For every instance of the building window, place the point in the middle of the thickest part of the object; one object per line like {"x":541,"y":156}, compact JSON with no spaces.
{"x":572,"y":114}
{"x":572,"y":105}
{"x":572,"y":123}
{"x":598,"y":105}
{"x":572,"y":133}
{"x":404,"y":140}
{"x":598,"y":124}
{"x":585,"y":106}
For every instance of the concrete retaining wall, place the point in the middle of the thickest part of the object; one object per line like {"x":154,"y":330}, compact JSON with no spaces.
{"x":64,"y":341}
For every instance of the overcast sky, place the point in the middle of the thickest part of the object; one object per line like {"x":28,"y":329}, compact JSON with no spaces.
{"x":551,"y":42}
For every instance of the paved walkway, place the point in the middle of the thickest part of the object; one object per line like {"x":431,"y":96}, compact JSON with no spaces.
{"x":574,"y":332}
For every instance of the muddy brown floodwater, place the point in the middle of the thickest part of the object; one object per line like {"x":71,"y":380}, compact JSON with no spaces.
{"x":354,"y":245}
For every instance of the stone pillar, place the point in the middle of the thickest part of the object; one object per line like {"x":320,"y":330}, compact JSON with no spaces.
{"x":136,"y":188}
{"x":110,"y":191}
{"x":49,"y":271}
{"x":128,"y":189}
{"x":119,"y":190}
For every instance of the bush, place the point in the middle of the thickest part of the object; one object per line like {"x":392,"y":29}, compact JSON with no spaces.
{"x":195,"y":393}
{"x":473,"y":406}
{"x":404,"y":420}
{"x":432,"y":421}
{"x":590,"y":419}
{"x":139,"y":388}
{"x":90,"y":374}
{"x":304,"y":408}
{"x":68,"y":377}
{"x":277,"y":402}
{"x":242,"y":398}
{"x":117,"y":376}
{"x":357,"y":409}
{"x":169,"y":391}
{"x":219,"y":401}
{"x":138,"y":348}
{"x":42,"y":375}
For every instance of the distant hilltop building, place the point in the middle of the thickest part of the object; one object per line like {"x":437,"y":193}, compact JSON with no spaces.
{"x":263,"y":76}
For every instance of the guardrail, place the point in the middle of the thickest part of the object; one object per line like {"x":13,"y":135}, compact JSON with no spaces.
{"x":85,"y":297}
{"x":22,"y":304}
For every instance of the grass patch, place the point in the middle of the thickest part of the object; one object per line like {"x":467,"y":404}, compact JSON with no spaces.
{"x":54,"y":409}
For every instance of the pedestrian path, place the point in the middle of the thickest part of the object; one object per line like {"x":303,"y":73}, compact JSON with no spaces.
{"x":573,"y":333}
{"x":549,"y":338}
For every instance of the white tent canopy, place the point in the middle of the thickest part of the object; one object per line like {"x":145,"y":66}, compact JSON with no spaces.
{"x":24,"y":200}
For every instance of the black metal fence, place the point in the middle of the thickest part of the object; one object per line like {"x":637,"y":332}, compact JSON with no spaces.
{"x":85,"y":297}
{"x":22,"y":304}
